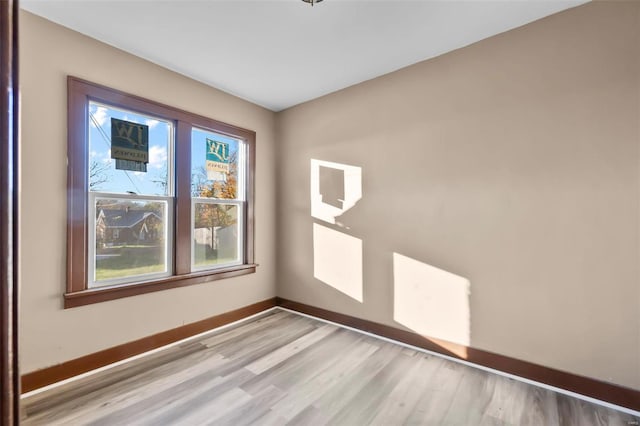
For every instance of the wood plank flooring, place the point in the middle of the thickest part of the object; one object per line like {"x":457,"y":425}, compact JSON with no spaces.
{"x":286,"y":369}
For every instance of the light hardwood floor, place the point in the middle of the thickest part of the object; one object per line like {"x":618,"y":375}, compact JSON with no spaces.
{"x":283,"y":368}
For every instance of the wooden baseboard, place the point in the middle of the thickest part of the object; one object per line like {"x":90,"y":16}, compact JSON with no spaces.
{"x":74,"y":367}
{"x":604,"y":391}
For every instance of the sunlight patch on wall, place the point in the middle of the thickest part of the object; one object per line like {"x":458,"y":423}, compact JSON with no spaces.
{"x":431,"y":301}
{"x":335,"y":188}
{"x":337,"y":260}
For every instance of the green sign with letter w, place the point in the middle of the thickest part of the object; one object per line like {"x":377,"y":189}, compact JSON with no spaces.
{"x":129,"y":145}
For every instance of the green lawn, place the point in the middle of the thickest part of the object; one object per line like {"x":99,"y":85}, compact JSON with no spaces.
{"x":127,"y":261}
{"x":106,"y":274}
{"x":131,"y":260}
{"x":206,"y":257}
{"x":207,"y":262}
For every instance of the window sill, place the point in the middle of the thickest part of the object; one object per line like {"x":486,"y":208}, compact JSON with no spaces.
{"x":97,"y":295}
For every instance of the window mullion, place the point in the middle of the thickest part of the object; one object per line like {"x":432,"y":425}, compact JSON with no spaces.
{"x":182,"y":229}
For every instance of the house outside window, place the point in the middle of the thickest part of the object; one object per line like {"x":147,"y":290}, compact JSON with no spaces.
{"x":173,"y":206}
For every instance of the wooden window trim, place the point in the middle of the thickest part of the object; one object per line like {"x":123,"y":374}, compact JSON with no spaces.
{"x":80,"y":92}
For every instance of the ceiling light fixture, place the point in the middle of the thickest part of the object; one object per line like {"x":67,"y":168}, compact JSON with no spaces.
{"x":312,"y":2}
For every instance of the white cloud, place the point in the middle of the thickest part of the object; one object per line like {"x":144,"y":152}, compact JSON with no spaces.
{"x":99,"y":154}
{"x":157,"y":156}
{"x":100,"y":115}
{"x":151,"y":123}
{"x":107,"y":159}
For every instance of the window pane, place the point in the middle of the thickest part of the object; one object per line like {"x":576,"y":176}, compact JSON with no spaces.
{"x":103,"y":174}
{"x":214,"y":165}
{"x":130,"y":239}
{"x":215,"y":235}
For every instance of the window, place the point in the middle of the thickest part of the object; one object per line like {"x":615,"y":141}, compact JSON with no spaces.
{"x":158,"y":197}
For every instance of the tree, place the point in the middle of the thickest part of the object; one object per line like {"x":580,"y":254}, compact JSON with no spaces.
{"x":214,"y":216}
{"x":160,"y":179}
{"x":201,"y":186}
{"x":98,"y":174}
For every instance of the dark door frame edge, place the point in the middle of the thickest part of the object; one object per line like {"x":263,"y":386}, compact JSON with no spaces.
{"x":9,"y":129}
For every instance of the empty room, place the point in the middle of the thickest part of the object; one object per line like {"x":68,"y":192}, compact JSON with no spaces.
{"x":312,"y":212}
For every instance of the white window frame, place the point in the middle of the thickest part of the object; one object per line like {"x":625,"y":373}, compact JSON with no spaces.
{"x":168,"y":229}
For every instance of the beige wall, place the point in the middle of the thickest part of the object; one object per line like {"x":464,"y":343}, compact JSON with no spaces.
{"x":512,"y":163}
{"x":48,"y":333}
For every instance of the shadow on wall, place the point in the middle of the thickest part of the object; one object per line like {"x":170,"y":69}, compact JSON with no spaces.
{"x":337,"y":257}
{"x":429,"y":301}
{"x":329,"y":182}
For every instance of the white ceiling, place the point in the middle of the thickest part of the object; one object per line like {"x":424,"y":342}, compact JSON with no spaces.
{"x":279,"y":53}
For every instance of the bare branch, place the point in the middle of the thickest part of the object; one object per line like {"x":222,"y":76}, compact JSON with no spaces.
{"x":98,"y":174}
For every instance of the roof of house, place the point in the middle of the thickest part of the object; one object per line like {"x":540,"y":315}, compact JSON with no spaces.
{"x":124,"y":218}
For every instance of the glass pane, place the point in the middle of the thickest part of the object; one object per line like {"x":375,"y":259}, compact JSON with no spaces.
{"x":103,"y":174}
{"x":214,"y":165}
{"x":131,"y":239}
{"x":215,"y":235}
